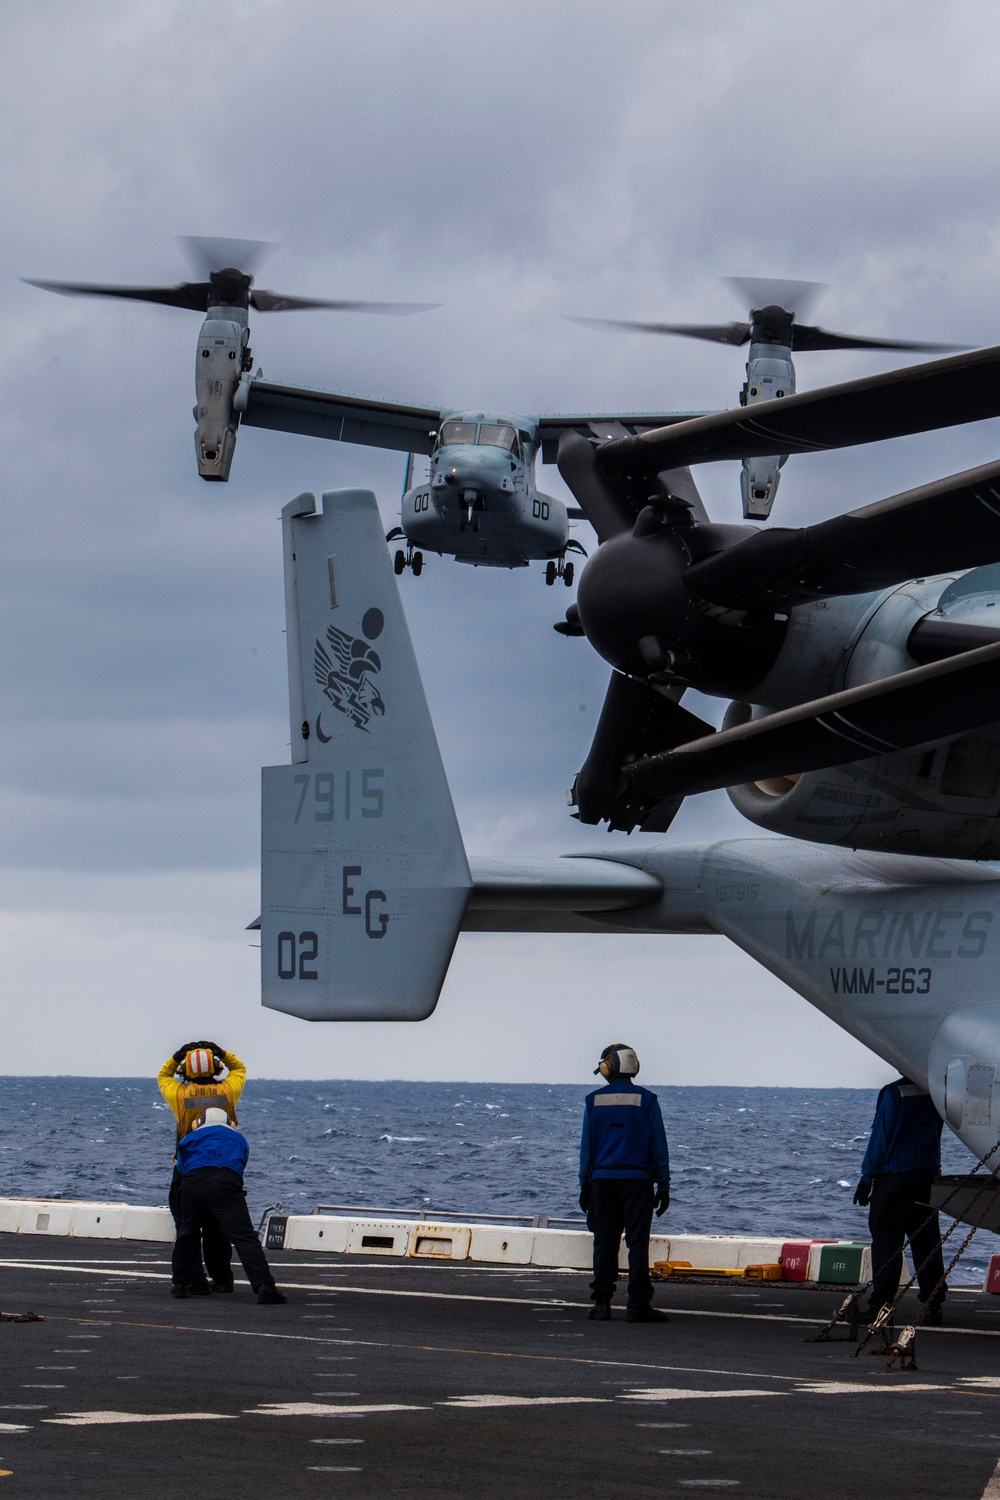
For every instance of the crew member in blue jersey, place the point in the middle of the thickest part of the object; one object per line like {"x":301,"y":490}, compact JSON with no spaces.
{"x":624,"y":1174}
{"x":210,"y":1159}
{"x":902,"y":1160}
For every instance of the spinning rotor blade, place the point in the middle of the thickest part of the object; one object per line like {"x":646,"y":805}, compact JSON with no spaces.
{"x":276,"y":302}
{"x":209,"y":255}
{"x":952,"y":523}
{"x":903,"y":712}
{"x":804,"y":338}
{"x":190,"y":294}
{"x":919,"y":398}
{"x":796,"y":297}
{"x":716,"y":333}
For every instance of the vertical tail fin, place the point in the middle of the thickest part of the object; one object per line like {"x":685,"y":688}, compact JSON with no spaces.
{"x":364,"y":880}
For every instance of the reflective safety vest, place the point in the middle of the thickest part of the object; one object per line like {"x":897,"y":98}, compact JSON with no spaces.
{"x":188,"y":1097}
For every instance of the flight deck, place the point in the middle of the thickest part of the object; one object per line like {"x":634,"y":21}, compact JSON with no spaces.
{"x":397,"y":1378}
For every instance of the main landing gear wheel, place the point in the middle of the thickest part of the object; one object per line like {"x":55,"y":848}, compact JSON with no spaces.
{"x":559,"y":569}
{"x":408,"y":559}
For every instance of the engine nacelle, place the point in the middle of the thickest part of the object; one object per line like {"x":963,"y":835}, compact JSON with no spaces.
{"x":940,"y":799}
{"x":218,"y":369}
{"x":944,"y":802}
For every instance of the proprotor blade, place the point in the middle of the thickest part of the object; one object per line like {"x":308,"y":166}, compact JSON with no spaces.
{"x":715,"y":333}
{"x":795,"y":297}
{"x":278,"y":302}
{"x":919,"y":398}
{"x":210,"y":255}
{"x":952,"y":523}
{"x":189,"y":294}
{"x":807,"y":338}
{"x":902,"y":712}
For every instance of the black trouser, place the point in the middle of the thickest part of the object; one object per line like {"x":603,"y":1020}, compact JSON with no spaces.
{"x":617,"y":1204}
{"x":217,"y":1250}
{"x":214,"y":1195}
{"x":899,"y":1210}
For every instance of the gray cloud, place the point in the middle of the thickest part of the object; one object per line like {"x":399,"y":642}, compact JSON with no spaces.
{"x":516,"y":163}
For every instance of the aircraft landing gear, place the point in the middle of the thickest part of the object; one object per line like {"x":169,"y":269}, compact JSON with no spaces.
{"x":559,"y":569}
{"x":408,"y":559}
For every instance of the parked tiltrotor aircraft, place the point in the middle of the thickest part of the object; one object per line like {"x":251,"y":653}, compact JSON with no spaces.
{"x":480,"y":503}
{"x":891,"y":769}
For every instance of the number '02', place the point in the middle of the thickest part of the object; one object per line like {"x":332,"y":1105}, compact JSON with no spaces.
{"x":297,"y":955}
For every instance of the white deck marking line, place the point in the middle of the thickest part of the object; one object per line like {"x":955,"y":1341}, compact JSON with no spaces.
{"x":473,"y":1403}
{"x":320,"y":1409}
{"x":14,"y":1427}
{"x":682,"y":1393}
{"x":121,"y":1418}
{"x":992,"y":1490}
{"x":612,"y":1364}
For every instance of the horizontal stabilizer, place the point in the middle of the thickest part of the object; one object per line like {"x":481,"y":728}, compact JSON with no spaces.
{"x":364,"y":879}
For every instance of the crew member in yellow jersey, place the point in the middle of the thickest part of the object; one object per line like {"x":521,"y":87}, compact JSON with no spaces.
{"x":199,"y":1076}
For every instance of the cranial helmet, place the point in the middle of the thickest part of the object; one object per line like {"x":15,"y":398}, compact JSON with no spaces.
{"x":618,"y":1061}
{"x":199,"y":1063}
{"x":212,"y":1116}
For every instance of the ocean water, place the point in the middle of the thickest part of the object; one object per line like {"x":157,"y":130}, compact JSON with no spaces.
{"x":754,"y":1160}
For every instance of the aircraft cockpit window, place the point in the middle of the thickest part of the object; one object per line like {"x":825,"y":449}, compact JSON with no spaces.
{"x":495,"y":435}
{"x":457,"y":432}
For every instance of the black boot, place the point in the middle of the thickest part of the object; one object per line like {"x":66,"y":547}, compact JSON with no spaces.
{"x":600,"y":1312}
{"x":645,"y":1314}
{"x":270,"y":1294}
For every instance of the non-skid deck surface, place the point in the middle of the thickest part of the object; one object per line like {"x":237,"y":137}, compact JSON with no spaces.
{"x":398,"y":1379}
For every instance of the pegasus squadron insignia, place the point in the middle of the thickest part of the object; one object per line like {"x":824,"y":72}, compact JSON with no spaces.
{"x":346,"y":671}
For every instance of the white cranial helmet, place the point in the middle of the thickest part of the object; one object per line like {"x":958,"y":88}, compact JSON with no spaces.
{"x":213,"y":1116}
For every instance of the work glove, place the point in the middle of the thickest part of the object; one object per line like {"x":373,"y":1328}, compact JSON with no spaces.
{"x":662,"y":1201}
{"x":215,"y":1050}
{"x":585,"y":1197}
{"x":182,"y":1052}
{"x":862,"y":1193}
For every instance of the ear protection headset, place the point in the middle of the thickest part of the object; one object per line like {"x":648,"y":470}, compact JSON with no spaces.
{"x":618,"y":1061}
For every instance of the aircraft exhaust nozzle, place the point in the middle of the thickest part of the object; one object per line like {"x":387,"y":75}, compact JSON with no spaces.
{"x":364,"y":879}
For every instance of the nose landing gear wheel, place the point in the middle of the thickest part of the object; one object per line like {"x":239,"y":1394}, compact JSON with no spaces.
{"x":399,"y":563}
{"x":408,"y":559}
{"x":417,"y":564}
{"x":568,"y":572}
{"x":550,"y":573}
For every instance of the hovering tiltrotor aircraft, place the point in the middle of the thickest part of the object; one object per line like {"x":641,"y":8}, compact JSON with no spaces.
{"x":773,"y":332}
{"x":365,"y":880}
{"x":480,"y":503}
{"x":223,"y":362}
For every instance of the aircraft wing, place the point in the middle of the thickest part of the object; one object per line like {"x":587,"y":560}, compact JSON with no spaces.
{"x":404,"y":428}
{"x":918,"y":398}
{"x":341,"y":417}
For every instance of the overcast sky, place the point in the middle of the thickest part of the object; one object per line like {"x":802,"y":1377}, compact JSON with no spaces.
{"x":516,"y":163}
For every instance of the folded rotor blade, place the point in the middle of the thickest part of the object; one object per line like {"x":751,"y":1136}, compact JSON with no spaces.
{"x":277,"y":302}
{"x":190,"y":294}
{"x":635,"y":722}
{"x":606,"y":510}
{"x":919,"y":398}
{"x":716,"y":333}
{"x":904,"y":712}
{"x":804,"y":337}
{"x":952,"y":523}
